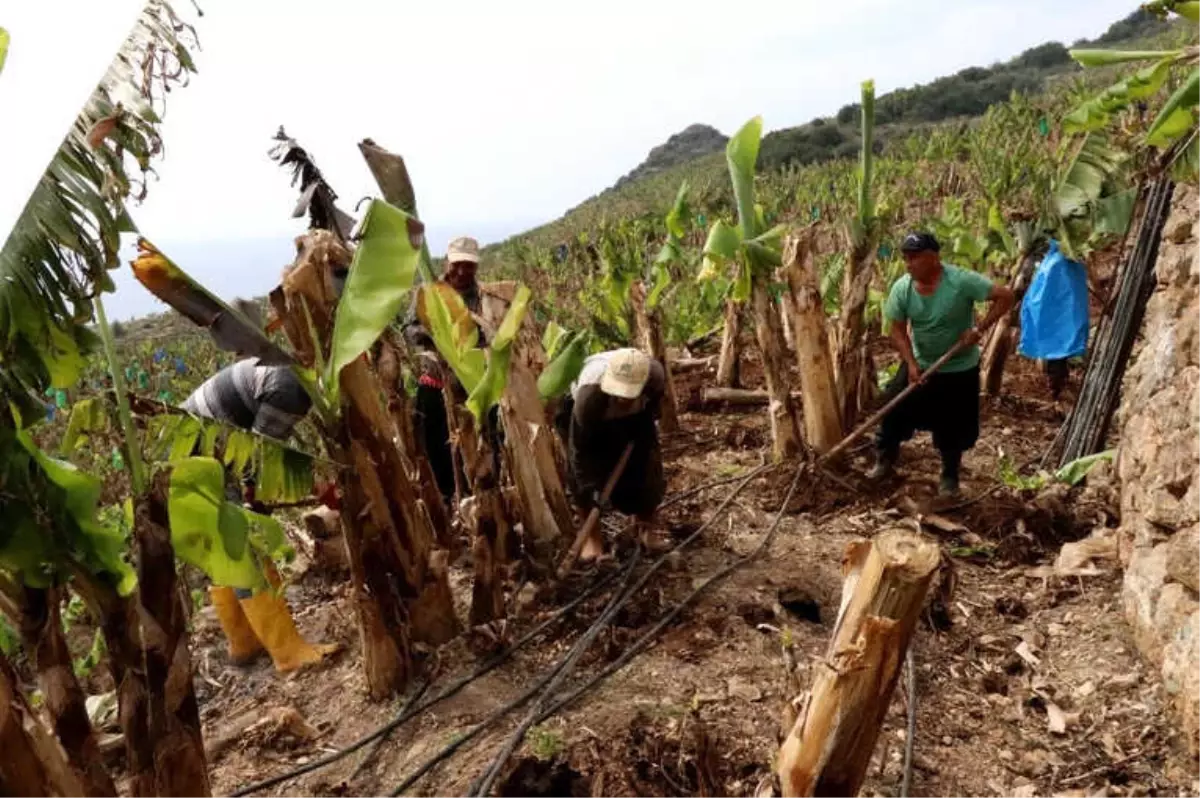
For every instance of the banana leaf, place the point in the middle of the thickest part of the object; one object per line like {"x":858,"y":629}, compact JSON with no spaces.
{"x":454,"y":333}
{"x":4,"y":40}
{"x":230,"y":330}
{"x":555,"y":380}
{"x":1095,"y":113}
{"x":381,"y":275}
{"x":1178,"y":115}
{"x":1073,"y":472}
{"x":208,"y":531}
{"x":1095,"y":58}
{"x":499,"y":355}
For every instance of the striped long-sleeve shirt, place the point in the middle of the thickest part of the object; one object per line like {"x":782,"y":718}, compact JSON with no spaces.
{"x":268,"y":400}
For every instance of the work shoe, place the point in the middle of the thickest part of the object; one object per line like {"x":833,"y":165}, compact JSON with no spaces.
{"x":948,"y":488}
{"x":272,"y":622}
{"x":244,"y":646}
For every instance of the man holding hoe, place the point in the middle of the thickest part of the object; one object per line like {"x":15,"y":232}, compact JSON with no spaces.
{"x":615,"y":404}
{"x":937,"y":302}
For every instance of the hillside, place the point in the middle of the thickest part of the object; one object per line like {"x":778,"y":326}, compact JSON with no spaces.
{"x":692,"y":142}
{"x":961,"y":97}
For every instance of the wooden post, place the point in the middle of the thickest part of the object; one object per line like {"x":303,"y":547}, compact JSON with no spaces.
{"x":781,"y":410}
{"x":650,"y":338}
{"x":830,"y":744}
{"x":728,"y":375}
{"x":818,"y":391}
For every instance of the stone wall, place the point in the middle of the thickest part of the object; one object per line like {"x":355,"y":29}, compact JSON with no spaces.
{"x":1159,"y":469}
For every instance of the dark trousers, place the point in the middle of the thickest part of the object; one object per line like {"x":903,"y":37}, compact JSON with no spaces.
{"x":433,"y":431}
{"x":432,"y":428}
{"x":641,"y":486}
{"x":946,"y":404}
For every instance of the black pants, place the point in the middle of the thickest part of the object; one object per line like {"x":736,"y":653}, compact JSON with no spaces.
{"x":946,"y":404}
{"x":432,"y":428}
{"x":641,"y":486}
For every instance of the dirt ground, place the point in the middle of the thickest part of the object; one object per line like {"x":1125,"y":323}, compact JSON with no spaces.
{"x":1026,"y":683}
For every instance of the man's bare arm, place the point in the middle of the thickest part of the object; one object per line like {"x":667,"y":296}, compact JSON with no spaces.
{"x":1001,"y":300}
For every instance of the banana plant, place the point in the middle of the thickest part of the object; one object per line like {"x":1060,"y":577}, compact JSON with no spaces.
{"x":748,"y":245}
{"x":482,"y":373}
{"x":566,"y":353}
{"x":1177,"y":117}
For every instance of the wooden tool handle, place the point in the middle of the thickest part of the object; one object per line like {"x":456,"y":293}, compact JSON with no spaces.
{"x":594,"y":516}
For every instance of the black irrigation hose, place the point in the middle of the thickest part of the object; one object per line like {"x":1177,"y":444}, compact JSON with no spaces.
{"x":483,"y":785}
{"x":649,"y":636}
{"x":500,"y":712}
{"x":450,"y":749}
{"x":409,"y":711}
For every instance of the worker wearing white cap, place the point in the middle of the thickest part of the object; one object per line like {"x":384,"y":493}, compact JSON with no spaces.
{"x":429,"y":411}
{"x":615,"y":401}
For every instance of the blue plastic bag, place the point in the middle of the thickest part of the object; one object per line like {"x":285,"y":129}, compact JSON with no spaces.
{"x":1054,"y":312}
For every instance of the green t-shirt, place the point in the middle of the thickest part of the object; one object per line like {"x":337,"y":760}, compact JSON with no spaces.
{"x":940,"y":319}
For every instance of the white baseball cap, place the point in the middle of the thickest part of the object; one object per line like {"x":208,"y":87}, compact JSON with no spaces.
{"x":464,"y":248}
{"x":626,"y":375}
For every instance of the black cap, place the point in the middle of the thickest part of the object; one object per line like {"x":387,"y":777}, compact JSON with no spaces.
{"x":920,"y":242}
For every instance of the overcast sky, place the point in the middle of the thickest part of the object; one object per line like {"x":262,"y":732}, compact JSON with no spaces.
{"x":507,"y":113}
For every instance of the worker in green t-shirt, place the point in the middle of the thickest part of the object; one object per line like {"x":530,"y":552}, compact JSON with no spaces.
{"x":930,"y":309}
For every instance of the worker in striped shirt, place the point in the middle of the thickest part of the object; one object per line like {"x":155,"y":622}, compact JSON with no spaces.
{"x":270,"y":401}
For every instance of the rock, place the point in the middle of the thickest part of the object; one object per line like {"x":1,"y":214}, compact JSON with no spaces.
{"x":1004,"y":755}
{"x":1183,"y":558}
{"x":1074,"y":559}
{"x":1159,"y":471}
{"x":740,"y":688}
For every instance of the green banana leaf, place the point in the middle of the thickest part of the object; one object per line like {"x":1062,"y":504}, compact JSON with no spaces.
{"x":1189,"y":10}
{"x":206,"y":530}
{"x":722,"y":246}
{"x":445,"y":315}
{"x":381,"y":275}
{"x":552,"y":338}
{"x":88,"y":417}
{"x":4,"y":40}
{"x":230,"y":330}
{"x":1178,"y":115}
{"x":1073,"y":472}
{"x":866,"y":207}
{"x":100,"y":547}
{"x":555,"y":380}
{"x":1096,"y":112}
{"x":741,"y":154}
{"x":1113,"y":214}
{"x":679,"y":214}
{"x":1095,"y":58}
{"x":499,"y":355}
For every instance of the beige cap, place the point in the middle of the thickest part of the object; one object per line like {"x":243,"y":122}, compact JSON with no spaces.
{"x":463,"y":248}
{"x":626,"y":375}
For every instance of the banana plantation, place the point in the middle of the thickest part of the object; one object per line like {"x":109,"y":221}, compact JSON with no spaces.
{"x":803,"y":630}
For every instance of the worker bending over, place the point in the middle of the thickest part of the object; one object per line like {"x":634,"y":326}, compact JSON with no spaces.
{"x":936,"y":301}
{"x":614,"y":402}
{"x":268,"y":400}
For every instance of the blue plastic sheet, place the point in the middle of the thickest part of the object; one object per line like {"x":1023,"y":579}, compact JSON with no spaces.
{"x":1054,"y":312}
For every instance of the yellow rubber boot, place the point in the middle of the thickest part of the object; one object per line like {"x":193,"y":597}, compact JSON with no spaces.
{"x":272,"y":622}
{"x":244,"y":645}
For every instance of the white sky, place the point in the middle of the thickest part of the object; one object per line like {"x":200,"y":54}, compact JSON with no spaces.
{"x":507,"y":113}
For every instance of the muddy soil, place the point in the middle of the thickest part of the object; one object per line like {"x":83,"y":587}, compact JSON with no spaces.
{"x":1073,"y":712}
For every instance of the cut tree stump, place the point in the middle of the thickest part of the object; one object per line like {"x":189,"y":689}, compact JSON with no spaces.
{"x":831,"y":741}
{"x":818,"y":388}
